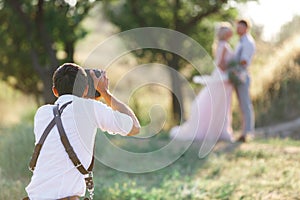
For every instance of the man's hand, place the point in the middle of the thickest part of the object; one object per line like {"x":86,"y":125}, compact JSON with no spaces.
{"x":243,"y":63}
{"x":100,"y":83}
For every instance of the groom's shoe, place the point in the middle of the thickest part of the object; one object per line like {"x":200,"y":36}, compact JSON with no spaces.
{"x":242,"y":138}
{"x":245,"y":138}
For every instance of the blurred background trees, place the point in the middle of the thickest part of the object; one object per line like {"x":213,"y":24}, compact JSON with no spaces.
{"x":39,"y":35}
{"x":193,"y":18}
{"x":36,"y":37}
{"x":289,"y":29}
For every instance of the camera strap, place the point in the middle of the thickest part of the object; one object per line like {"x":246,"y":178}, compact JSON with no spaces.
{"x":88,"y":175}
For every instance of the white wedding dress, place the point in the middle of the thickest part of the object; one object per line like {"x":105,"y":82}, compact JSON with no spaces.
{"x":210,"y":115}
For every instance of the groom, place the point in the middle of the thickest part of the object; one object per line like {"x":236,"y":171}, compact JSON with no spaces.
{"x":244,"y":53}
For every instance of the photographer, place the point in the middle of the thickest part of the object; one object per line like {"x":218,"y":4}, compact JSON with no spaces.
{"x":55,"y":175}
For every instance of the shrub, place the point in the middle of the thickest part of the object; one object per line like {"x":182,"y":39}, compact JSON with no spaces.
{"x":278,"y":97}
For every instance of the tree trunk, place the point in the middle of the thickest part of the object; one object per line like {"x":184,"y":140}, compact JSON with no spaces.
{"x":44,"y":72}
{"x":177,"y":98}
{"x":69,"y":49}
{"x":48,"y":96}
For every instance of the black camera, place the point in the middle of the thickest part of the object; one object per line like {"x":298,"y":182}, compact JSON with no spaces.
{"x":92,"y":92}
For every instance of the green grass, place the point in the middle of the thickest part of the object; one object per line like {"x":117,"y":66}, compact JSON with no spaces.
{"x":16,"y":146}
{"x":262,"y":169}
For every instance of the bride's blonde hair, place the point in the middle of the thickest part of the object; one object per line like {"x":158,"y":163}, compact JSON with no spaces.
{"x":221,"y":30}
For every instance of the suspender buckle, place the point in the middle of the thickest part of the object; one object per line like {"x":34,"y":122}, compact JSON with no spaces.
{"x":78,"y":165}
{"x":89,"y":183}
{"x":31,"y":169}
{"x":89,"y":175}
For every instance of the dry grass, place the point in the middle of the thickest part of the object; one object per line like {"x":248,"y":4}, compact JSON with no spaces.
{"x":276,"y":86}
{"x":14,"y":105}
{"x":276,"y":61}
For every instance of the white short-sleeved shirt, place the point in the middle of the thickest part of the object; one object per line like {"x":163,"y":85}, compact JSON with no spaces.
{"x":55,"y":176}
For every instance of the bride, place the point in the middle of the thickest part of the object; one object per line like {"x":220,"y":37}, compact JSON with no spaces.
{"x":210,"y":116}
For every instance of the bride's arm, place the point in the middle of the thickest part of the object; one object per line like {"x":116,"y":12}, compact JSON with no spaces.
{"x":222,"y":63}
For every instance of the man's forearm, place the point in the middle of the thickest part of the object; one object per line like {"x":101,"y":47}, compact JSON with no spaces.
{"x":116,"y":104}
{"x":101,"y":85}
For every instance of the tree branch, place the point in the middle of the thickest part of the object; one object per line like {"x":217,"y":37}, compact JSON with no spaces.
{"x":175,"y":11}
{"x":201,"y":15}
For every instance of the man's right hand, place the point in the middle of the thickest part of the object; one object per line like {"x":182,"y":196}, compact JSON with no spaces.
{"x":100,"y":83}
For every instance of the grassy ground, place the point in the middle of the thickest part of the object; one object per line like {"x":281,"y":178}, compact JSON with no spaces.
{"x":261,"y":169}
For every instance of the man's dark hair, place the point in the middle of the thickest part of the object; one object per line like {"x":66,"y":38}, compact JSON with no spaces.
{"x":70,"y":78}
{"x":244,"y":22}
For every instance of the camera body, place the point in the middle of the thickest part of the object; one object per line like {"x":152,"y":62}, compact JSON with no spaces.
{"x":92,"y":92}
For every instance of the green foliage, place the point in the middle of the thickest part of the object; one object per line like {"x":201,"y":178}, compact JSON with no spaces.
{"x":38,"y":36}
{"x":193,"y":18}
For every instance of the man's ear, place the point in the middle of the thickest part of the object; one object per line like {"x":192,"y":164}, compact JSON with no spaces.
{"x":55,"y":92}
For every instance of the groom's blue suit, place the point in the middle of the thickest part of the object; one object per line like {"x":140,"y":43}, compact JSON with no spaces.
{"x":245,"y":51}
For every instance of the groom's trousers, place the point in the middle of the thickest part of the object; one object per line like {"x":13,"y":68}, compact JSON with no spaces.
{"x":246,"y":106}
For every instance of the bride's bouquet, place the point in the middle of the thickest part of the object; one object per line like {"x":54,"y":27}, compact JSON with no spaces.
{"x":236,"y":74}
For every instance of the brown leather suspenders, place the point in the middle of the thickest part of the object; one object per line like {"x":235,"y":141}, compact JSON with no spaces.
{"x":88,"y":175}
{"x":39,"y":145}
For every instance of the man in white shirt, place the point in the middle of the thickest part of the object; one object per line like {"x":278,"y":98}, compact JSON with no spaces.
{"x":55,"y":176}
{"x":244,"y":54}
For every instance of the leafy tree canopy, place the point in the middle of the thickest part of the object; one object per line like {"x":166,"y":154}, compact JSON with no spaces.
{"x":36,"y":37}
